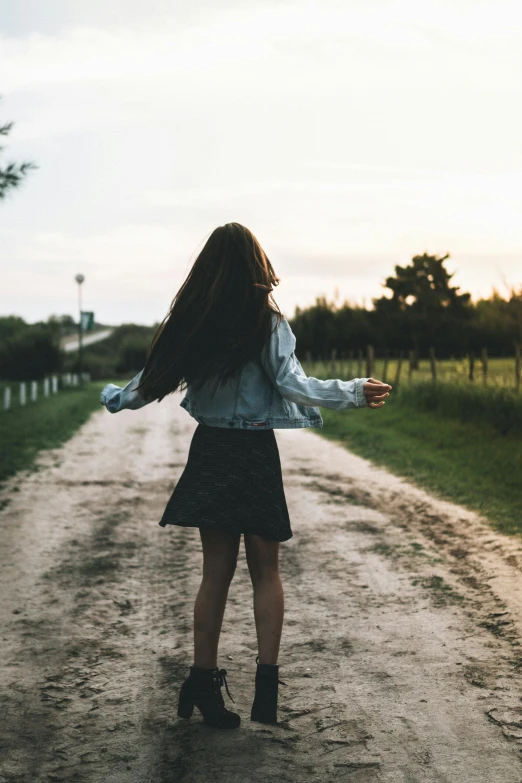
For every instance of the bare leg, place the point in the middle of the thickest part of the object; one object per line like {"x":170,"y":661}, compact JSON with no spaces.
{"x":263,"y":564}
{"x":220,"y":550}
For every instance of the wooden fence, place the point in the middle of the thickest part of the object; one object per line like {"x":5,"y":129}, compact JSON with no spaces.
{"x":391,"y":367}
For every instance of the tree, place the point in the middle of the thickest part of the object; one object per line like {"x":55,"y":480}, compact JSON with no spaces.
{"x":11,"y":325}
{"x":12,"y":175}
{"x":29,"y":353}
{"x":514,"y":311}
{"x":64,"y":325}
{"x":424,"y":306}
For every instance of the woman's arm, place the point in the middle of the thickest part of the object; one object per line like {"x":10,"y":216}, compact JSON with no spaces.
{"x":286,"y":373}
{"x":115,"y":398}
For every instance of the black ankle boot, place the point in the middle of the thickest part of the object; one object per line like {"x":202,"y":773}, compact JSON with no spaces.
{"x":264,"y":707}
{"x":202,"y":688}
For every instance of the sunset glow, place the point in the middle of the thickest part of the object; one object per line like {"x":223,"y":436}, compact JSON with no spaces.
{"x":348,"y":136}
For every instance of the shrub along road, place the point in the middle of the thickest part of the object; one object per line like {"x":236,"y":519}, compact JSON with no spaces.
{"x":401,"y":645}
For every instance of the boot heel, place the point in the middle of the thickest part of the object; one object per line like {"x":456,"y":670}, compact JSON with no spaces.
{"x":202,"y":689}
{"x":185,"y":704}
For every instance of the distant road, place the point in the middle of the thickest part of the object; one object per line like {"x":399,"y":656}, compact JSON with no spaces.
{"x":72,"y":343}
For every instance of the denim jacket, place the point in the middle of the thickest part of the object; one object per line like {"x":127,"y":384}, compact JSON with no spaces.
{"x":271,"y":391}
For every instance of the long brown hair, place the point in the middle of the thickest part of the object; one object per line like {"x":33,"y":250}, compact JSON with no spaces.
{"x":220,"y":318}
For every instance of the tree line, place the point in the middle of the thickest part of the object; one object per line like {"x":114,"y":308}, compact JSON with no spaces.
{"x":420,"y":311}
{"x":29,"y":352}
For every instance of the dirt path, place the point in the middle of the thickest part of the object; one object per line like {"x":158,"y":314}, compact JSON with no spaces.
{"x":400,"y":650}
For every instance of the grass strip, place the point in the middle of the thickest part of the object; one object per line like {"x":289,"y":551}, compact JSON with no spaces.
{"x":45,"y":424}
{"x":469,"y":463}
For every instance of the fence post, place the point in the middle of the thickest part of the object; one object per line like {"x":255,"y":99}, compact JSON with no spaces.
{"x":385,"y":365}
{"x":7,"y":398}
{"x":370,"y":361}
{"x":484,"y":362}
{"x":398,"y":371}
{"x":342,"y":364}
{"x":22,"y":394}
{"x":517,"y":366}
{"x":54,"y":384}
{"x":350,"y":364}
{"x":333,"y":364}
{"x":433,"y":365}
{"x":411,"y":364}
{"x":471,"y":359}
{"x":34,"y":391}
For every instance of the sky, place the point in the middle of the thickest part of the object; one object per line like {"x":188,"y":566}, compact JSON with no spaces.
{"x":348,"y":135}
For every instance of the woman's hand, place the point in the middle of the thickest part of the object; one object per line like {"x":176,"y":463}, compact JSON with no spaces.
{"x":376,"y":392}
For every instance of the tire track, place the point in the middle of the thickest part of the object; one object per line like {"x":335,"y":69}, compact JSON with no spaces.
{"x":401,"y":658}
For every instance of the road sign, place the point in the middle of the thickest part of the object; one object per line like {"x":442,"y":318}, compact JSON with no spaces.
{"x":87,"y":321}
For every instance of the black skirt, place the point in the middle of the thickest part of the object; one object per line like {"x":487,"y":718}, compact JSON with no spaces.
{"x":232,"y":481}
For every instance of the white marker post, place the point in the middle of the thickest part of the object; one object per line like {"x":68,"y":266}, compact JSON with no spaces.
{"x":34,"y":391}
{"x":22,"y":394}
{"x":46,"y":387}
{"x":7,"y":398}
{"x":54,"y":381}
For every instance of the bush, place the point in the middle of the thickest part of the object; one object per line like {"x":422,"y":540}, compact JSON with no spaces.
{"x":498,"y":408}
{"x":132,"y":353}
{"x":30,"y":353}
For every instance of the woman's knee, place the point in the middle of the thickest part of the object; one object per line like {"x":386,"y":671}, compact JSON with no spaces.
{"x":262,"y":558}
{"x":219,"y":570}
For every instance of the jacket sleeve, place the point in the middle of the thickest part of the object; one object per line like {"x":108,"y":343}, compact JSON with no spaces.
{"x":284,"y":370}
{"x":115,"y":398}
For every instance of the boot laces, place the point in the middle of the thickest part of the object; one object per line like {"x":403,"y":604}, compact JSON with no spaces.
{"x":221,"y":679}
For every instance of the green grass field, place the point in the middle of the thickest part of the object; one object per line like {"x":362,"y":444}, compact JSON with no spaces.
{"x":462,"y":442}
{"x":501,"y":372}
{"x":44,"y":424}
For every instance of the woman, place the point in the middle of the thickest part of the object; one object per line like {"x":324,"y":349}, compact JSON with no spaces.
{"x":226,"y":343}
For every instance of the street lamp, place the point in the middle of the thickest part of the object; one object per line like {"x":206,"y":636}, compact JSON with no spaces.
{"x":79,"y":279}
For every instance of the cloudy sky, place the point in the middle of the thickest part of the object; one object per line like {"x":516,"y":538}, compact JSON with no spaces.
{"x":348,"y":135}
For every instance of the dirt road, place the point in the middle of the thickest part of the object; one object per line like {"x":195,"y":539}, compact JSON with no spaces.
{"x":401,"y":647}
